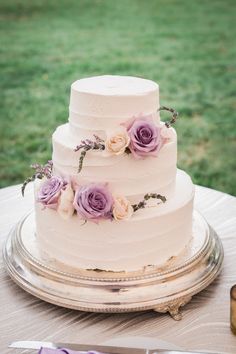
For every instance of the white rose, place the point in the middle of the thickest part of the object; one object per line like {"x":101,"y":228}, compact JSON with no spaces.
{"x":122,"y":209}
{"x":117,"y":141}
{"x":166,"y":133}
{"x":65,"y":205}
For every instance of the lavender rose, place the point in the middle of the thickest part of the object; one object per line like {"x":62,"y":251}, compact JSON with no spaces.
{"x":50,"y":191}
{"x":93,"y":202}
{"x":145,"y":137}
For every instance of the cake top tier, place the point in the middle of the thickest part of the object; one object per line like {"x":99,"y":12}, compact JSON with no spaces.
{"x":114,"y":85}
{"x":113,"y":96}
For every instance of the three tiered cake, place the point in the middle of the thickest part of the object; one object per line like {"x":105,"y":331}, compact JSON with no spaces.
{"x":112,"y":198}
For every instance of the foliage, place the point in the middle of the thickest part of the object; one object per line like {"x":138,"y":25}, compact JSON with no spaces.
{"x":186,"y":46}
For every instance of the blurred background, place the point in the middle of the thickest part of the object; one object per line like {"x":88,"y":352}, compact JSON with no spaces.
{"x":187,"y":46}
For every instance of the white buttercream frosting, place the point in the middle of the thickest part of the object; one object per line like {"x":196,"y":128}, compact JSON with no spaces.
{"x":103,"y":102}
{"x":124,"y":173}
{"x":150,"y":237}
{"x":106,"y":99}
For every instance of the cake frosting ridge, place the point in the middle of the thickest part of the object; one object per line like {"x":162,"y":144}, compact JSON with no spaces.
{"x":141,"y":177}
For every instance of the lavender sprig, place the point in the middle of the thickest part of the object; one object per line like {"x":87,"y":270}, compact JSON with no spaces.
{"x":87,"y":145}
{"x":40,"y":172}
{"x":174,"y":115}
{"x":142,"y":204}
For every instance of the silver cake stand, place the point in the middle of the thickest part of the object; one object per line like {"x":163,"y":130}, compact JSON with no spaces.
{"x":164,"y":289}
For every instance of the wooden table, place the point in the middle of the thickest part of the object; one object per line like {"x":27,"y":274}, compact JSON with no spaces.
{"x":205,"y":324}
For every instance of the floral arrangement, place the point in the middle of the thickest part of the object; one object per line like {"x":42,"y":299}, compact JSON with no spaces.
{"x":41,"y":171}
{"x":92,"y":202}
{"x":139,"y":136}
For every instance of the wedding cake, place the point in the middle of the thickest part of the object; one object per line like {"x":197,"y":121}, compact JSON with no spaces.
{"x":112,"y":197}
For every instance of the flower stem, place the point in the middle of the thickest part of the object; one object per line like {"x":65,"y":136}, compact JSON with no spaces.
{"x":40,"y":172}
{"x":174,"y":115}
{"x":82,"y":156}
{"x":28,"y":180}
{"x":87,"y":145}
{"x":142,"y":204}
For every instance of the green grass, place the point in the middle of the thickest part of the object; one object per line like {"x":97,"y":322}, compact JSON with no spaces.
{"x":188,"y":47}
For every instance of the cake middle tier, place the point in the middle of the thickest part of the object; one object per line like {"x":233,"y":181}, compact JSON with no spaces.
{"x":125,"y":174}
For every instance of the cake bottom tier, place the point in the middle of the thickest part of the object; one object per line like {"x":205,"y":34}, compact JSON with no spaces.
{"x":150,"y":238}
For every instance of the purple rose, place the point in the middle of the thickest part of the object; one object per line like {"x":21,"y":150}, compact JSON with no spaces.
{"x":50,"y":191}
{"x":94,"y":202}
{"x":145,"y":137}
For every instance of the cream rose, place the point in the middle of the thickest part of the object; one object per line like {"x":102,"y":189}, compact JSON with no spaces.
{"x":122,"y":209}
{"x":65,"y":205}
{"x":117,"y":141}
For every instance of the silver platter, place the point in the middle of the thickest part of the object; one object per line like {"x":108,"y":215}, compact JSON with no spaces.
{"x":161,"y":289}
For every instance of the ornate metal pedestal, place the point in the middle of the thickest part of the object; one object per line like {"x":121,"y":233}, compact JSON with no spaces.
{"x":161,"y":289}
